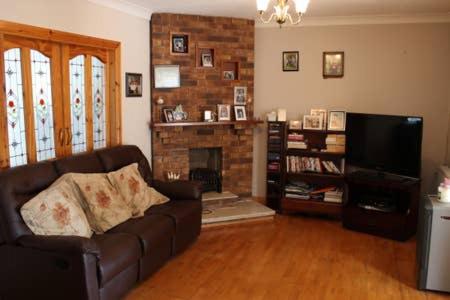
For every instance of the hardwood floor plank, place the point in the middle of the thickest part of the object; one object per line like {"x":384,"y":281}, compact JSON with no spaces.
{"x":293,"y":257}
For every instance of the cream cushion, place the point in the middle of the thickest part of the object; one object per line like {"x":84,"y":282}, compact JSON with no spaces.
{"x":56,"y":211}
{"x":103,"y":204}
{"x":134,"y":190}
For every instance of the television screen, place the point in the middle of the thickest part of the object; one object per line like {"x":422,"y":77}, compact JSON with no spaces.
{"x":391,"y":144}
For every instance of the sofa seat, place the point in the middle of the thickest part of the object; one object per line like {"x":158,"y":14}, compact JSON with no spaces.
{"x":186,"y":216}
{"x":117,"y":253}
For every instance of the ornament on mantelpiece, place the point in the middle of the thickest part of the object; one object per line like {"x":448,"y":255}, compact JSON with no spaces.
{"x":160,"y":100}
{"x":172,"y":176}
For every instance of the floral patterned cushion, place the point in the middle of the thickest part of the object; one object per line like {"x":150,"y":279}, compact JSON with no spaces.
{"x":104,"y":206}
{"x":56,"y":211}
{"x":134,"y":190}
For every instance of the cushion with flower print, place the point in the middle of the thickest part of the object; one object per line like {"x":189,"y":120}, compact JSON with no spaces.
{"x":104,"y":205}
{"x":134,"y":190}
{"x":56,"y":211}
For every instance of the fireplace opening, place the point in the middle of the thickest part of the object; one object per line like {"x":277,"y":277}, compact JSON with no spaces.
{"x":205,"y":165}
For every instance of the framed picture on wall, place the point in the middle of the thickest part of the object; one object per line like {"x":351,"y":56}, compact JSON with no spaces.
{"x":239,"y":113}
{"x":223,"y":112}
{"x":290,"y":61}
{"x":333,"y":64}
{"x":240,"y":95}
{"x":134,"y":84}
{"x":179,"y":44}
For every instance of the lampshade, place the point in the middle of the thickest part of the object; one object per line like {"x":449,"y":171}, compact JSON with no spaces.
{"x":301,"y":6}
{"x":262,"y":4}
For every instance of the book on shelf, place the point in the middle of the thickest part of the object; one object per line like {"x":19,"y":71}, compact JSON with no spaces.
{"x":296,"y":137}
{"x":297,"y":145}
{"x":273,"y":156}
{"x":330,"y":167}
{"x":335,"y":143}
{"x":333,"y":196}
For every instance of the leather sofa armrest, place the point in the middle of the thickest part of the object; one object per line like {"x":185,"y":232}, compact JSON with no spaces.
{"x":179,"y":190}
{"x":62,"y":244}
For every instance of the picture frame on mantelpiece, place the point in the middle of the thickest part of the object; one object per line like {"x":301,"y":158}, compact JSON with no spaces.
{"x":239,"y":113}
{"x":223,"y":112}
{"x":168,"y":115}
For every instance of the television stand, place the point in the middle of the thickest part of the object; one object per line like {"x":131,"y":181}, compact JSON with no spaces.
{"x":381,"y":204}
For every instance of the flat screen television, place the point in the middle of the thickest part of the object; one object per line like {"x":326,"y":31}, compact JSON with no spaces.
{"x":390,"y":144}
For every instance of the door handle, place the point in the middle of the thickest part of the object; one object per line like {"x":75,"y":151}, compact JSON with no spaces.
{"x":69,"y":135}
{"x":61,"y":137}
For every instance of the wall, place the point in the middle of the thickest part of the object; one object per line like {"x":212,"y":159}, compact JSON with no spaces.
{"x":83,"y":17}
{"x":389,"y":69}
{"x":203,"y":89}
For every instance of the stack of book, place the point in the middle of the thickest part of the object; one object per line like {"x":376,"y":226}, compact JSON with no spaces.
{"x":296,"y":141}
{"x":273,"y":166}
{"x":335,"y":143}
{"x":334,"y":196}
{"x":298,"y":190}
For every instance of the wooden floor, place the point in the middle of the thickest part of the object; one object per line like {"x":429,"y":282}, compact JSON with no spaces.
{"x":290,"y":258}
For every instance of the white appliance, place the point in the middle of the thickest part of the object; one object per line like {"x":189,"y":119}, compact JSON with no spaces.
{"x":433,"y":245}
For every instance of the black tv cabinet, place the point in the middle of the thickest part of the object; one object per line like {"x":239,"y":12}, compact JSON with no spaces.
{"x":397,"y":219}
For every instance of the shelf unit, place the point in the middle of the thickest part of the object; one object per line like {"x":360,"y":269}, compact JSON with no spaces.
{"x":316,"y":144}
{"x":276,"y":132}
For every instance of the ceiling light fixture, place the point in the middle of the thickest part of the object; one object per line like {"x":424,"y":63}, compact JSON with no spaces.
{"x":281,"y":14}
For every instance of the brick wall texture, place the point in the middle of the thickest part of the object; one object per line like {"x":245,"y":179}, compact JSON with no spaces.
{"x":202,"y":89}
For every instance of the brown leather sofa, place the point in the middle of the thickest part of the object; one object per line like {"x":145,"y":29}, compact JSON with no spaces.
{"x":104,"y":266}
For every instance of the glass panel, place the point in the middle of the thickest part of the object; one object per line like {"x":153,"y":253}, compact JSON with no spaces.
{"x":78,"y":104}
{"x":14,"y":107}
{"x":98,"y":101}
{"x":42,"y":104}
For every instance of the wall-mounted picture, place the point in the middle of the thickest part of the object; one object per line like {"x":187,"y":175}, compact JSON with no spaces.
{"x":167,"y":76}
{"x":223,"y":112}
{"x":312,"y":122}
{"x":290,"y":61}
{"x":228,"y":75}
{"x":134,"y":84}
{"x":320,"y":112}
{"x":333,"y":64}
{"x":239,"y":113}
{"x":336,"y":120}
{"x":179,"y":43}
{"x":240,"y":95}
{"x":168,"y":115}
{"x":207,"y":60}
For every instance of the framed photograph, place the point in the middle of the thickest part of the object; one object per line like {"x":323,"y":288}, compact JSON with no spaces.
{"x":207,"y":60}
{"x":228,"y":75}
{"x":134,"y":84}
{"x":336,"y":120}
{"x":290,"y":61}
{"x":179,"y":43}
{"x":167,"y":76}
{"x":333,"y":64}
{"x":168,"y":115}
{"x":240,"y":95}
{"x":312,"y":122}
{"x":239,"y":113}
{"x":208,"y":116}
{"x":320,"y":112}
{"x":223,"y":112}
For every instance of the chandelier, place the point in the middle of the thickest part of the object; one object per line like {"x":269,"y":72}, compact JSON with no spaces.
{"x":281,"y":13}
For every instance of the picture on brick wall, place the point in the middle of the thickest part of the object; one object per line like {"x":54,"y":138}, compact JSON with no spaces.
{"x":207,"y":60}
{"x":290,"y":61}
{"x":333,"y":64}
{"x":240,"y":95}
{"x":168,"y":115}
{"x":179,"y":43}
{"x":239,"y":113}
{"x":223,"y":112}
{"x":134,"y":84}
{"x":228,"y":75}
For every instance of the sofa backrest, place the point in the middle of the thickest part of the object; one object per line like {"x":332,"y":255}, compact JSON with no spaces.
{"x":18,"y":185}
{"x":115,"y":158}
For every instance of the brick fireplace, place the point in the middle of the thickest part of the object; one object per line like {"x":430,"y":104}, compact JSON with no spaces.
{"x":232,"y":43}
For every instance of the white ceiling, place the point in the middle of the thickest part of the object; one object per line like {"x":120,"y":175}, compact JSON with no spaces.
{"x":317,"y":8}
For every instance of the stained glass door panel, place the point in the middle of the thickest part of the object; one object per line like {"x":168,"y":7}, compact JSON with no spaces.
{"x":42,"y":105}
{"x":78,"y":104}
{"x":99,"y":103}
{"x":15,"y":107}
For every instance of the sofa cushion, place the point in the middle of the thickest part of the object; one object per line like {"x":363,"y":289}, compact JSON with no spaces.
{"x":134,"y":190}
{"x":81,"y":163}
{"x":56,"y":211}
{"x":117,"y":253}
{"x":17,"y":186}
{"x":118,"y":157}
{"x":104,"y":206}
{"x":151,"y":230}
{"x":187,"y":218}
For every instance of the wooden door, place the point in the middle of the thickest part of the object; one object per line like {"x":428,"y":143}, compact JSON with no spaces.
{"x":32,"y":106}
